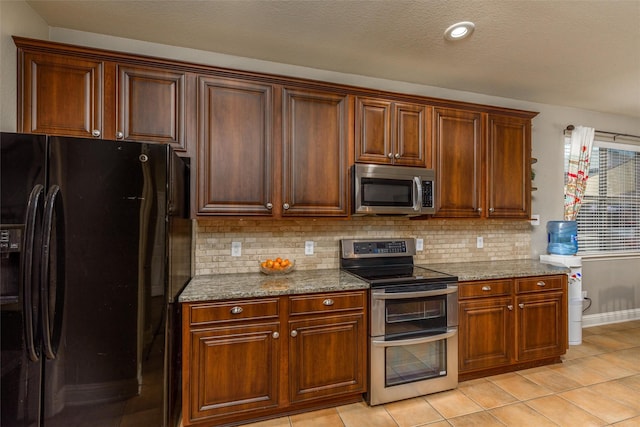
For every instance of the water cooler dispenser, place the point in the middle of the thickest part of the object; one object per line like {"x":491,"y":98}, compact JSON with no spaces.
{"x":562,"y":246}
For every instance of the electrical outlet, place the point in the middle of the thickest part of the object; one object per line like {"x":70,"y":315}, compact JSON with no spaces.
{"x":236,"y":248}
{"x":308,"y":247}
{"x":419,"y":244}
{"x":535,"y":219}
{"x":479,"y":242}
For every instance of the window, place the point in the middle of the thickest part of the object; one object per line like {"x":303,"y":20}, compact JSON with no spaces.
{"x":609,"y":219}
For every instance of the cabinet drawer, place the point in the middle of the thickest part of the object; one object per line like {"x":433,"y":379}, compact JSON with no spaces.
{"x":233,"y":310}
{"x":484,"y":288}
{"x":323,"y":303}
{"x":540,"y":283}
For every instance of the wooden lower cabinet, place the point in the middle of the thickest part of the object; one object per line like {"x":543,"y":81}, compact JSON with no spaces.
{"x":253,"y":359}
{"x":511,"y":324}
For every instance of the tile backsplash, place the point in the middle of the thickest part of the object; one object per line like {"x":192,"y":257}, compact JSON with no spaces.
{"x":444,"y":240}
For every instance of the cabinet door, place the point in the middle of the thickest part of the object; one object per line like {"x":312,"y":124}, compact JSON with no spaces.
{"x":373,"y":131}
{"x":316,"y":153}
{"x":234,"y":147}
{"x":327,"y":357}
{"x":541,"y":325}
{"x":486,"y":333}
{"x":458,"y":163}
{"x":232,"y":370}
{"x":62,"y":95}
{"x":151,"y":106}
{"x":509,"y":167}
{"x":410,"y":135}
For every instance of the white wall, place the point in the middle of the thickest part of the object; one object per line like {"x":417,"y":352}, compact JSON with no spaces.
{"x":547,"y":138}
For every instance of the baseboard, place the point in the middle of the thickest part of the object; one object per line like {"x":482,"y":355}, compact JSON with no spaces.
{"x":610,"y":317}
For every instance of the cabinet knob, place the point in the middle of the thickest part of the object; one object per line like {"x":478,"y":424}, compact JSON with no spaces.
{"x":397,"y":155}
{"x":479,"y":209}
{"x":275,"y":335}
{"x":236,"y":310}
{"x":286,"y":206}
{"x":541,"y":284}
{"x":510,"y":307}
{"x":486,"y":288}
{"x":95,"y":133}
{"x":521,"y":305}
{"x":294,"y":333}
{"x":328,"y":302}
{"x":390,"y":155}
{"x":119,"y":135}
{"x":491,"y":209}
{"x":269,"y":205}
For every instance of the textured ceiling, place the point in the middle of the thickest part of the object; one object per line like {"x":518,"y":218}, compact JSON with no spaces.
{"x":583,"y":54}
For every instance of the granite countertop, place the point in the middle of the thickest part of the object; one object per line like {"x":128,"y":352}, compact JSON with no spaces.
{"x":251,"y":285}
{"x":487,"y":270}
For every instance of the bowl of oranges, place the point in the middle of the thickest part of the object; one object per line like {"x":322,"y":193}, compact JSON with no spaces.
{"x":277,"y":266}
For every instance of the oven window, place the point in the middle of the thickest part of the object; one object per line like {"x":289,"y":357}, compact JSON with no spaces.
{"x":410,"y":363}
{"x":415,"y":316}
{"x":386,"y":192}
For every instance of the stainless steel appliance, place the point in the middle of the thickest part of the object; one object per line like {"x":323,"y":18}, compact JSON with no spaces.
{"x":95,"y":244}
{"x":413,"y":346}
{"x":392,"y":190}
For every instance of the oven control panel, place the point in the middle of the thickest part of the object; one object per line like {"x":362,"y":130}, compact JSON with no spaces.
{"x":377,"y":248}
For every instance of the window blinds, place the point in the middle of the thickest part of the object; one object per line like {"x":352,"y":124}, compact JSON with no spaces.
{"x":609,"y":220}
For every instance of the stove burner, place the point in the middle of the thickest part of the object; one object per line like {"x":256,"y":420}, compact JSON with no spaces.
{"x":386,"y":266}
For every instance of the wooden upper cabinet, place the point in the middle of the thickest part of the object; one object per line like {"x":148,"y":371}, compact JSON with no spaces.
{"x":508,"y":167}
{"x":61,"y":95}
{"x":151,"y":106}
{"x":235,"y":147}
{"x":316,"y":153}
{"x":458,"y":164}
{"x":389,"y":132}
{"x":72,"y":91}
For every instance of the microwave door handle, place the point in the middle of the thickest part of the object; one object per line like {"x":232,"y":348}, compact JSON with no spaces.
{"x":401,"y":295}
{"x":417,"y":196}
{"x":431,"y":338}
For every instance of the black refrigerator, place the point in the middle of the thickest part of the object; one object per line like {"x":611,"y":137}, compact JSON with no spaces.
{"x":95,"y":243}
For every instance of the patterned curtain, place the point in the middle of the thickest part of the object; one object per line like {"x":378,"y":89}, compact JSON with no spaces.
{"x":581,"y":143}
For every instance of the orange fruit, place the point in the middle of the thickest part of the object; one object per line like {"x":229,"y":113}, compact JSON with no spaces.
{"x":269,"y":263}
{"x":277,"y":265}
{"x":279,"y":260}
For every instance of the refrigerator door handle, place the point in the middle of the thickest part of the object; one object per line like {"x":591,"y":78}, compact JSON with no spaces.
{"x":53,"y":217}
{"x":27,"y":270}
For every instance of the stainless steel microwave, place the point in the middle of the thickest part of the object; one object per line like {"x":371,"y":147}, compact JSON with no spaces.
{"x":392,"y":190}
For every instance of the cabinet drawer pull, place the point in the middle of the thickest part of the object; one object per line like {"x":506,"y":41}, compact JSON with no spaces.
{"x":294,"y":333}
{"x":510,"y":307}
{"x":276,"y":335}
{"x":236,"y":310}
{"x":95,"y":133}
{"x":541,"y":284}
{"x":486,"y":288}
{"x":328,"y":302}
{"x":521,"y":305}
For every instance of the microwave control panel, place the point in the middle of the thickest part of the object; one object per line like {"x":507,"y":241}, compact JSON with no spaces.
{"x":427,"y":194}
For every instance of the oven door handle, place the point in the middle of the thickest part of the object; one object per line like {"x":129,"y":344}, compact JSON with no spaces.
{"x":417,"y":294}
{"x":422,"y":340}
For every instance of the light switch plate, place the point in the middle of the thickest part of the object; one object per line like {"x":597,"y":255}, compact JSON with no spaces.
{"x":419,"y":244}
{"x":479,"y":242}
{"x":308,"y":247}
{"x":236,"y":248}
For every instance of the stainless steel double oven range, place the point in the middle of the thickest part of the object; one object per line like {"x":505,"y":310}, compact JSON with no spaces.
{"x":413,"y":330}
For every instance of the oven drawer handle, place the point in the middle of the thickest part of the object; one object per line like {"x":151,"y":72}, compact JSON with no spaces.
{"x":422,"y":340}
{"x":328,"y":302}
{"x":401,"y":295}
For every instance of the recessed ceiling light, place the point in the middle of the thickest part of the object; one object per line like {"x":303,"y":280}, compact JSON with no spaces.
{"x":459,"y":31}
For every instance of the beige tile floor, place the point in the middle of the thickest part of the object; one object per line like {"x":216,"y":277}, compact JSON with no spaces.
{"x":598,"y":384}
